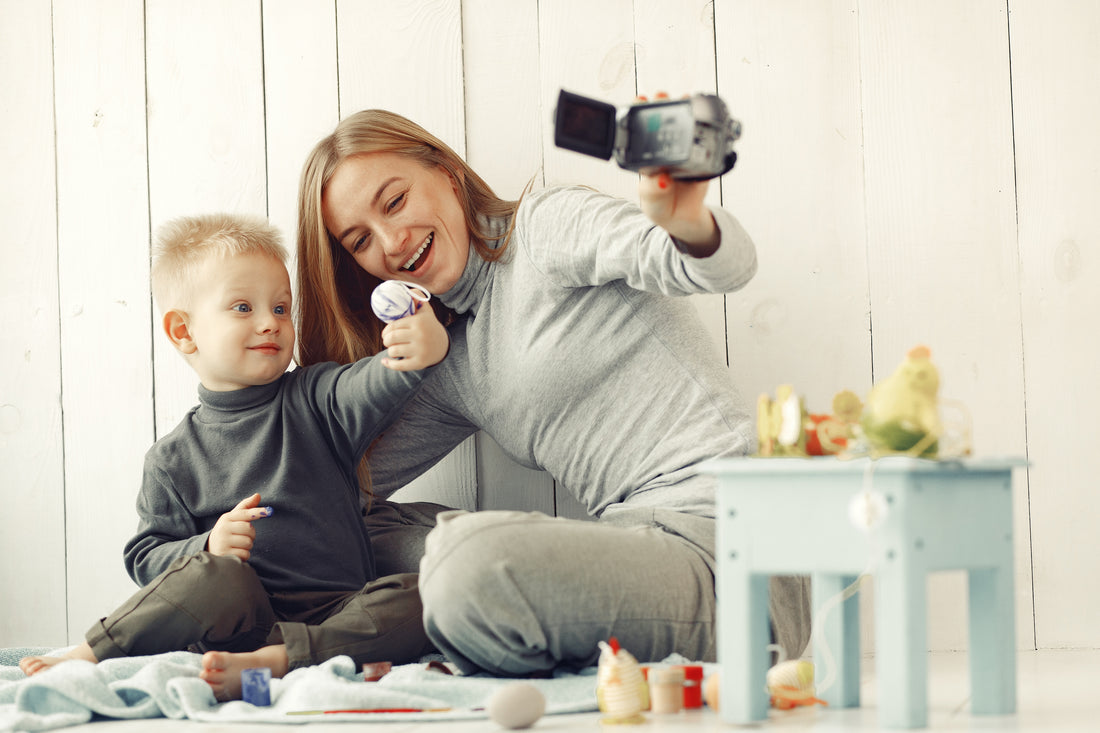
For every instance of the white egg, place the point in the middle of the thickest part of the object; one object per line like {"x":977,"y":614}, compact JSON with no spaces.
{"x":516,"y":705}
{"x":391,"y":300}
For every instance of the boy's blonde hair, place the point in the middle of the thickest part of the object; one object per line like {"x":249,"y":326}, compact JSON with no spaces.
{"x":183,"y":245}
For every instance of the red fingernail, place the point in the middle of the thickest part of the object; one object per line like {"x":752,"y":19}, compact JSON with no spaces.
{"x":662,"y":181}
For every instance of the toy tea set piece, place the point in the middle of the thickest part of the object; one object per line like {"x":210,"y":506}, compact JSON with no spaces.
{"x":256,"y":686}
{"x":621,"y":690}
{"x":666,"y":689}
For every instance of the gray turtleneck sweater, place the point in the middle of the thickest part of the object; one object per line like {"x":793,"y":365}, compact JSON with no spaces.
{"x":296,"y":441}
{"x":577,"y":357}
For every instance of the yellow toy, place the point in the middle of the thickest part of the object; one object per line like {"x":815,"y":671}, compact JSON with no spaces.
{"x":791,"y":684}
{"x":621,"y":690}
{"x":780,"y":423}
{"x":902,"y":412}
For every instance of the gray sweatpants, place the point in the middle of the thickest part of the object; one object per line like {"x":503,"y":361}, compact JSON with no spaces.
{"x":515,"y":593}
{"x":206,"y":602}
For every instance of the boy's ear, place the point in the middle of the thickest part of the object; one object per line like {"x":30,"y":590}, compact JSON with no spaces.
{"x":176,"y":326}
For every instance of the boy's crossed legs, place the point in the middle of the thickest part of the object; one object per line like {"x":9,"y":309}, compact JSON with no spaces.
{"x":199,"y":599}
{"x":382,"y":622}
{"x":206,"y":602}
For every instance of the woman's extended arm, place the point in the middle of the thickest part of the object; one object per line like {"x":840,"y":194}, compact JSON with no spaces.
{"x":578,"y":237}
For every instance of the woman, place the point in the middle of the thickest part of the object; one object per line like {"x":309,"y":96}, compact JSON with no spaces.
{"x":568,"y":350}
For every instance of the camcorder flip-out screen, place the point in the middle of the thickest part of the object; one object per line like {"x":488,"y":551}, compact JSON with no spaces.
{"x":585,"y":125}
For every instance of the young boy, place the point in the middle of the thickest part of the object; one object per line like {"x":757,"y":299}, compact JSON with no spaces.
{"x":291,"y":583}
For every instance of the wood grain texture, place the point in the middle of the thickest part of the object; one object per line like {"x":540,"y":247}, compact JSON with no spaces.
{"x":32,"y":483}
{"x":405,"y":57}
{"x":1055,"y":101}
{"x":791,"y":74}
{"x":594,"y":58}
{"x":103,"y":276}
{"x":301,"y":98}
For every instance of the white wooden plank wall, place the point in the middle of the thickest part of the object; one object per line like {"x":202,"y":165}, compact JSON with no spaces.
{"x":103,"y":284}
{"x":33,"y":520}
{"x":911,"y":172}
{"x":1054,"y":92}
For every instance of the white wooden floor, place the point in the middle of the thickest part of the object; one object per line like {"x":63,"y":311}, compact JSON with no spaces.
{"x":1057,"y":691}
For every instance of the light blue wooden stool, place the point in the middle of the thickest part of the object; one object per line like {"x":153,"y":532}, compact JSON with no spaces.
{"x":787,"y":516}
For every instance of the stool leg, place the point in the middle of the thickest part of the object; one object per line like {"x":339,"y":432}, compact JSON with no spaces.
{"x":742,"y":647}
{"x":901,"y":641}
{"x":836,"y":635}
{"x":992,"y":641}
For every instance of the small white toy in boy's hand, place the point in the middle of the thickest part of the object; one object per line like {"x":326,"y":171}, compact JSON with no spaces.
{"x":395,"y":299}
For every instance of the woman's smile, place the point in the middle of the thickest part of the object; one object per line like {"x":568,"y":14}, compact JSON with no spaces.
{"x":417,"y":259}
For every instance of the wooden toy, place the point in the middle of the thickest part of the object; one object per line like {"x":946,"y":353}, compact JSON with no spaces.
{"x":621,"y":690}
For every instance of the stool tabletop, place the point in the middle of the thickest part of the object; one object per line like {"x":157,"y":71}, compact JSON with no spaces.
{"x":885,"y":464}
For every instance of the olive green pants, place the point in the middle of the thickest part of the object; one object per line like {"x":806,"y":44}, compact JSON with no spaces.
{"x":210,"y":603}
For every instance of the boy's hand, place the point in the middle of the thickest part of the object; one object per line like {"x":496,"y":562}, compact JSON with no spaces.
{"x":678,"y":207}
{"x":233,"y":533}
{"x":416,"y":341}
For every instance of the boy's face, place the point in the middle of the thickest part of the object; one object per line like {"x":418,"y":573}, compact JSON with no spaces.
{"x":240,"y":332}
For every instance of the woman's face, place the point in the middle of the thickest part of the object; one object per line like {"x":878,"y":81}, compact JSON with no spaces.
{"x":399,"y":219}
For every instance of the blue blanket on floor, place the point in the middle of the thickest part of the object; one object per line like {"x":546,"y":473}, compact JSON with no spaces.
{"x":168,"y":685}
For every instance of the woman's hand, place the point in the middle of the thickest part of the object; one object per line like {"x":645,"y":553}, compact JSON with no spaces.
{"x":416,"y":341}
{"x":233,"y":533}
{"x":678,"y":207}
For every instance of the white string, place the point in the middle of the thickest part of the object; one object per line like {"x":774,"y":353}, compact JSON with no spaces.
{"x":416,"y":292}
{"x":816,"y":634}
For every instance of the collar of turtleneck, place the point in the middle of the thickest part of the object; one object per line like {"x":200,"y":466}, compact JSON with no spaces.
{"x":467,"y":293}
{"x":238,"y":399}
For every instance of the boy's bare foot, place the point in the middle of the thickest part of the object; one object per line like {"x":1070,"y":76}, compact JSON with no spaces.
{"x":222,"y":670}
{"x":34,"y":665}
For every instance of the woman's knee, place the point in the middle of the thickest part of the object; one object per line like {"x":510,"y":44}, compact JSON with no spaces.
{"x":468,"y":558}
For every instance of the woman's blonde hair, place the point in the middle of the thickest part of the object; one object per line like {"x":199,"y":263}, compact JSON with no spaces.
{"x":335,"y":321}
{"x":334,"y":317}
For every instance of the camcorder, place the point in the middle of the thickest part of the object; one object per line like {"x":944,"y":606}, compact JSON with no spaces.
{"x":690,"y":138}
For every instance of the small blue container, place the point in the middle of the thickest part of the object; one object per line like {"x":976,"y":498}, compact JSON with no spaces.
{"x":256,"y":686}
